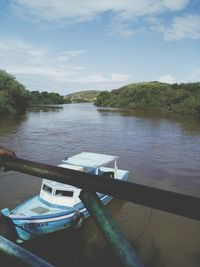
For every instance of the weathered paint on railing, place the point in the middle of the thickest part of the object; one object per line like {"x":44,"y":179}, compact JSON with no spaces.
{"x":9,"y":248}
{"x":177,"y":203}
{"x":110,"y":230}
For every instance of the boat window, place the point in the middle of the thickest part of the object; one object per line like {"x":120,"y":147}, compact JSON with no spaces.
{"x":47,"y":188}
{"x":64,"y":193}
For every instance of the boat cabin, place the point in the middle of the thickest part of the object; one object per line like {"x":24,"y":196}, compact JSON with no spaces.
{"x":59,"y":194}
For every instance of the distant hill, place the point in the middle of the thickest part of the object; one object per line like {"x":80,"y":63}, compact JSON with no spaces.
{"x":83,"y":96}
{"x":181,"y":98}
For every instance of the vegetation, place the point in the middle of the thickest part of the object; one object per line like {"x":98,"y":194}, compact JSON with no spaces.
{"x":15,"y":98}
{"x":44,"y":98}
{"x":13,"y":95}
{"x":181,"y":98}
{"x":83,"y":96}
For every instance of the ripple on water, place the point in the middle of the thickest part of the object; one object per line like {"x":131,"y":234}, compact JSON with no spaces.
{"x":158,"y":150}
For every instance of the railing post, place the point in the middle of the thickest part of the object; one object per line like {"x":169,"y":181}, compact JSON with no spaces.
{"x":13,"y":250}
{"x":110,"y":230}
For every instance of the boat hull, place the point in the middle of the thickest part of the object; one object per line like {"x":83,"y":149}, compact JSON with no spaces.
{"x":28,"y":227}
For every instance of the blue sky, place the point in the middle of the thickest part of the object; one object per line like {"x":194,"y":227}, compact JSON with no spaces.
{"x":66,"y":46}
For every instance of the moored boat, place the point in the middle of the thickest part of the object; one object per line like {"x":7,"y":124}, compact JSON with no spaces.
{"x":58,"y":205}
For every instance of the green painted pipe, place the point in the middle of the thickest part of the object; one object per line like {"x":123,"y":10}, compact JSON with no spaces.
{"x":110,"y":230}
{"x":11,"y":249}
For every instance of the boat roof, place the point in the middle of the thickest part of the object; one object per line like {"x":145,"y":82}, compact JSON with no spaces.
{"x":57,"y":184}
{"x":72,"y":167}
{"x":77,"y":162}
{"x":89,"y":159}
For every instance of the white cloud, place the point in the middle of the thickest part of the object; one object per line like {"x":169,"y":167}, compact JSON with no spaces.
{"x":100,"y":78}
{"x":64,"y":56}
{"x":40,"y":69}
{"x":167,"y":78}
{"x":125,"y":28}
{"x":127,"y":16}
{"x":175,"y":5}
{"x":183,"y":27}
{"x":19,"y":57}
{"x":120,"y":77}
{"x":88,"y":9}
{"x":194,"y":75}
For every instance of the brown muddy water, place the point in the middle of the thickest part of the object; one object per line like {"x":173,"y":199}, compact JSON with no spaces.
{"x":158,"y":149}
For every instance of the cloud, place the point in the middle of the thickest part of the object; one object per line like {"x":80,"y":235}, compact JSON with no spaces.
{"x":120,"y":77}
{"x":167,"y":78}
{"x":38,"y":68}
{"x":175,"y":5}
{"x":194,"y":75}
{"x":67,"y":10}
{"x":128,"y":17}
{"x":67,"y":55}
{"x":19,"y":57}
{"x":125,"y":28}
{"x":183,"y":27}
{"x":99,"y":78}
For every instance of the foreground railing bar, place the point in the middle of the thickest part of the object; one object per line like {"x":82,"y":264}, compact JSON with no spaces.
{"x":177,"y":203}
{"x":110,"y":230}
{"x":9,"y":248}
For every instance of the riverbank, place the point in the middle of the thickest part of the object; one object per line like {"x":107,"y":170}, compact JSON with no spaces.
{"x":155,"y":96}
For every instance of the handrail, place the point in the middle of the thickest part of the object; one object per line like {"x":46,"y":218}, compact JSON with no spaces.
{"x":9,"y":248}
{"x":110,"y":230}
{"x":173,"y":202}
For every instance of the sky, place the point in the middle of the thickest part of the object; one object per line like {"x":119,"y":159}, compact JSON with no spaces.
{"x":68,"y":46}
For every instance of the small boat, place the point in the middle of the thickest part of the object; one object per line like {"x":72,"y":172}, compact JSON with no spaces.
{"x":58,"y":205}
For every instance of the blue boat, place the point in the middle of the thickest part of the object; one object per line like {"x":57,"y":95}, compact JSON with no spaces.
{"x":58,"y":205}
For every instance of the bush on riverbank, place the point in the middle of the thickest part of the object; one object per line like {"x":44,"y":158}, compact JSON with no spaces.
{"x":181,"y":98}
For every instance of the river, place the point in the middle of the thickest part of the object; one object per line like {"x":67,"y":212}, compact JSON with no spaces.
{"x":158,"y":149}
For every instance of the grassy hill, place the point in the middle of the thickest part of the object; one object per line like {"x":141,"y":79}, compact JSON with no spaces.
{"x":83,"y":96}
{"x":182,"y":98}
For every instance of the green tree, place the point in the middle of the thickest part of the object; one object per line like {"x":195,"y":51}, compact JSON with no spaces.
{"x":13,"y":95}
{"x":182,"y":98}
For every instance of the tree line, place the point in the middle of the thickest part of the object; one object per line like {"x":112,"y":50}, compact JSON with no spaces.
{"x":14,"y":97}
{"x":181,"y":98}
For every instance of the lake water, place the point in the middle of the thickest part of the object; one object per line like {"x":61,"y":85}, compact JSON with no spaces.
{"x":158,"y":149}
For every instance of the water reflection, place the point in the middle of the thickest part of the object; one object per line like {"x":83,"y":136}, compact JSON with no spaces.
{"x":11,"y":123}
{"x":189,"y":123}
{"x":46,"y":108}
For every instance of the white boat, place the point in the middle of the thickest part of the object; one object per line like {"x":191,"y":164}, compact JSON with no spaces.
{"x":58,"y":205}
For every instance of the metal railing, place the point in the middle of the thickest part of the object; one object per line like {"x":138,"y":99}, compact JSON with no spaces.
{"x":177,"y":203}
{"x":173,"y":202}
{"x":9,"y":248}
